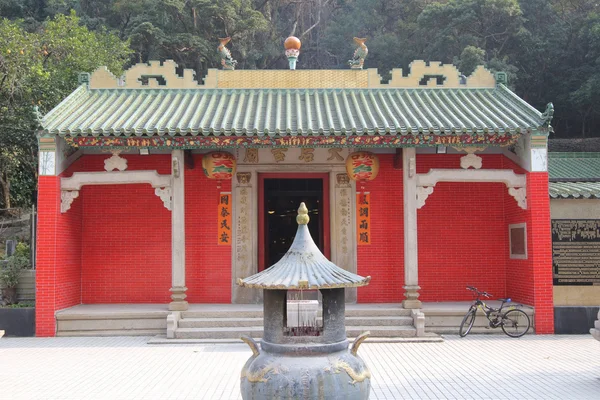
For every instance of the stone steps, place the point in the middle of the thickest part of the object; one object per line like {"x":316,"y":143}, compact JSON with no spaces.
{"x":101,"y":322}
{"x":246,"y":322}
{"x":256,"y":332}
{"x":215,"y":324}
{"x":113,"y":332}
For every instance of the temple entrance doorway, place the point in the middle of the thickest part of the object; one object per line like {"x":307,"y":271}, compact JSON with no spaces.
{"x":279,"y":198}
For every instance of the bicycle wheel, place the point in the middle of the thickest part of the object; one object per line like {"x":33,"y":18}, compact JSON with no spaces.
{"x":467,"y":323}
{"x":515,"y":323}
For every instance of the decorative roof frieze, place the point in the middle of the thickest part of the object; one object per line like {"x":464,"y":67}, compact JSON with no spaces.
{"x":163,"y":75}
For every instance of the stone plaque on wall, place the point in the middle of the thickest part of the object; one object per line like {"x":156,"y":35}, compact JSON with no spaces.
{"x":576,"y":251}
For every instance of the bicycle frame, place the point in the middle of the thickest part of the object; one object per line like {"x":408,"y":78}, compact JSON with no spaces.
{"x":489,"y":312}
{"x":507,"y":318}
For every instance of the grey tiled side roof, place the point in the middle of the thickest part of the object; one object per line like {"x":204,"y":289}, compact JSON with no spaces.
{"x":582,"y":167}
{"x":574,"y":190}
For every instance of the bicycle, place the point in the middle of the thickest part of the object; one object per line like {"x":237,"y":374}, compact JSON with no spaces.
{"x":514,"y":322}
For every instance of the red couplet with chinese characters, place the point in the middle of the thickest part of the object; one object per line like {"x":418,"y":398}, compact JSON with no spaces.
{"x":363,"y":218}
{"x":224,"y":235}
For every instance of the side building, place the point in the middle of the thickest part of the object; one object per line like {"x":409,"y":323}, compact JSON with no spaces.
{"x":574,"y":170}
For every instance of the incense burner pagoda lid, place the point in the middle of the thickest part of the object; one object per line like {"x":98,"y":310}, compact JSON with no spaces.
{"x":303,"y":266}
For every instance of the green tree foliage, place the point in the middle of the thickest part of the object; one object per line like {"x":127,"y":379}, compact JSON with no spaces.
{"x":38,"y":69}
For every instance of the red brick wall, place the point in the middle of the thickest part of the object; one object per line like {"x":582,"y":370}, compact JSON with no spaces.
{"x":127,"y":238}
{"x":540,"y":250}
{"x":58,"y":261}
{"x":126,"y":245}
{"x":126,"y":250}
{"x":383,"y":259}
{"x":208,"y":265}
{"x":462,"y":241}
{"x":461,"y":234}
{"x":519,"y":273}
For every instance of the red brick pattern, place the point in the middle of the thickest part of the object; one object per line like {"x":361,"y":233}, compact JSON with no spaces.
{"x":540,"y":250}
{"x":461,"y":241}
{"x":208,"y":265}
{"x":383,"y":259}
{"x":58,"y":264}
{"x":126,"y":238}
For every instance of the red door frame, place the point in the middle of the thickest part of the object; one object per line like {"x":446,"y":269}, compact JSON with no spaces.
{"x":261,"y":212}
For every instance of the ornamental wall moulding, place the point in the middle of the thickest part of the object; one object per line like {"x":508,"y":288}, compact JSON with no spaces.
{"x":520,"y":195}
{"x":80,"y":179}
{"x":243,"y":178}
{"x":342,"y":181}
{"x":70,"y":186}
{"x":422,"y":195}
{"x":471,"y":159}
{"x":66,"y":199}
{"x":115,"y":162}
{"x":166,"y":196}
{"x":516,"y":183}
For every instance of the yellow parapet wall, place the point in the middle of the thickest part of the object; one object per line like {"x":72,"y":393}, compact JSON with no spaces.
{"x":157,"y":75}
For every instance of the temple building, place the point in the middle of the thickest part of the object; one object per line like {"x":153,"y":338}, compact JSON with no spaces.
{"x":160,"y":187}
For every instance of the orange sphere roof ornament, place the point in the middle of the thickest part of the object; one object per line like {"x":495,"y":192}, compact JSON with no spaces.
{"x":292,"y":50}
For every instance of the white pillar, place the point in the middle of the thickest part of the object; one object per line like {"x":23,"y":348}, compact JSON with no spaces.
{"x":178,"y":288}
{"x":411,"y":257}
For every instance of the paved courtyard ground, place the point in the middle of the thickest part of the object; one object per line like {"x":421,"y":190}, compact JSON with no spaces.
{"x":475,"y":367}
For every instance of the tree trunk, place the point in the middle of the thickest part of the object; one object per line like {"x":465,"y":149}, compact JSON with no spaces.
{"x":5,"y":184}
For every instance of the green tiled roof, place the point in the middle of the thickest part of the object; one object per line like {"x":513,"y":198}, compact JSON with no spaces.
{"x":585,"y":190}
{"x":574,"y":166}
{"x":281,"y":112}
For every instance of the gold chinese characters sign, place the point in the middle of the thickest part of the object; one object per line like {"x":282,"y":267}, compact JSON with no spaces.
{"x":363,"y":218}
{"x":224,"y":218}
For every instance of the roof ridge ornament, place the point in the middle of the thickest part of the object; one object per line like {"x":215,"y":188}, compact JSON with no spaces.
{"x":302,"y":218}
{"x":227,"y":61}
{"x":548,"y":115}
{"x":501,"y":78}
{"x":292,"y":50}
{"x":358,"y":59}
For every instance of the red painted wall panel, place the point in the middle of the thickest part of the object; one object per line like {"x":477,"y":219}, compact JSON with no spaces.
{"x":58,"y":262}
{"x":126,"y":237}
{"x":208,"y":265}
{"x":462,"y":241}
{"x":540,"y":250}
{"x":383,"y":259}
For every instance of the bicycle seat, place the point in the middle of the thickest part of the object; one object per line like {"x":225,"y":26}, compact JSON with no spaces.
{"x":504,"y":300}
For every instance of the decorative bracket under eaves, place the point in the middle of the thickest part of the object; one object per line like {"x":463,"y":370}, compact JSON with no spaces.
{"x":516,"y":184}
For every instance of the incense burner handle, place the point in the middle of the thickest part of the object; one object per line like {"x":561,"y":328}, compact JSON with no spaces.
{"x":252,"y":343}
{"x":358,"y":341}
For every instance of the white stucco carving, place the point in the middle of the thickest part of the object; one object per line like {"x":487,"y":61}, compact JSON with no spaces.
{"x":422,"y":195}
{"x":520,"y":195}
{"x":516,"y":184}
{"x":471,"y":160}
{"x":66,"y":199}
{"x":505,"y":176}
{"x":115,"y":162}
{"x":166,"y":196}
{"x":80,"y":179}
